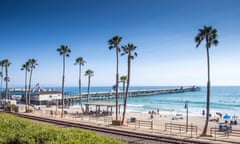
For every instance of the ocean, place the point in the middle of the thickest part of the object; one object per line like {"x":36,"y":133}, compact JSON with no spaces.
{"x":224,"y":99}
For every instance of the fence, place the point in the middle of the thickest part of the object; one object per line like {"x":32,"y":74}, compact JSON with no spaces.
{"x":224,"y":132}
{"x":140,"y":123}
{"x":181,"y":128}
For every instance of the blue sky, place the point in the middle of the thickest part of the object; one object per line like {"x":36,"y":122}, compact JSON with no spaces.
{"x":162,"y":30}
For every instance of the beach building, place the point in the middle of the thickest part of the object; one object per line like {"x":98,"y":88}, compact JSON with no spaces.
{"x":46,"y":97}
{"x":37,"y":96}
{"x":104,"y":105}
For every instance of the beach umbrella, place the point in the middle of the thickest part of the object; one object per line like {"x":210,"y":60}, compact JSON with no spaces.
{"x":226,"y":116}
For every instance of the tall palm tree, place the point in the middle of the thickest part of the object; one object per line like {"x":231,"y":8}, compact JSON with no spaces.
{"x":65,"y":51}
{"x":114,"y":43}
{"x":27,"y":69}
{"x":129,"y":51}
{"x":32,"y":63}
{"x":1,"y":75}
{"x":210,"y":36}
{"x":89,"y":73}
{"x":123,"y":79}
{"x":6,"y":63}
{"x":80,"y":61}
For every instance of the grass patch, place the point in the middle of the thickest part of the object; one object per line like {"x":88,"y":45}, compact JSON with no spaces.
{"x":16,"y":130}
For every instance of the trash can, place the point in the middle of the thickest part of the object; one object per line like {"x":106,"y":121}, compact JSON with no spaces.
{"x":132,"y":119}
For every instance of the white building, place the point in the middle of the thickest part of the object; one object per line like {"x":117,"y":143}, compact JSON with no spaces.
{"x":45,"y":97}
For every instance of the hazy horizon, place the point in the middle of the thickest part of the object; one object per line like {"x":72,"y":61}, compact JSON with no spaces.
{"x":85,"y":86}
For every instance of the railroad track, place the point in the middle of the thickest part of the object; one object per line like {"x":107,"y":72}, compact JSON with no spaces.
{"x":129,"y":134}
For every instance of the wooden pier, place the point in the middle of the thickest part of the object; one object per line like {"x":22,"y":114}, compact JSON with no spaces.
{"x":132,"y":93}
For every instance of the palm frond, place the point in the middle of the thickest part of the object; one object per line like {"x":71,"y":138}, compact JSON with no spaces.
{"x":215,"y":42}
{"x":114,"y":42}
{"x":128,"y":49}
{"x":80,"y":61}
{"x":64,"y":50}
{"x":89,"y":72}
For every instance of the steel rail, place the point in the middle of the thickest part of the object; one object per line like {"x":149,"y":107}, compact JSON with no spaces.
{"x":145,"y":136}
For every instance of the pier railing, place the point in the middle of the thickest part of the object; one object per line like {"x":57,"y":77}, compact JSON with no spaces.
{"x":132,"y":93}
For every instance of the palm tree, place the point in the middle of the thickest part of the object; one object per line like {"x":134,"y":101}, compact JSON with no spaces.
{"x":123,"y":79}
{"x":210,"y":36}
{"x":1,"y":75}
{"x":65,"y":51}
{"x":80,"y":61}
{"x":26,"y":68}
{"x":129,"y":51}
{"x":6,"y":63}
{"x":32,"y":63}
{"x":89,"y":73}
{"x":113,"y":43}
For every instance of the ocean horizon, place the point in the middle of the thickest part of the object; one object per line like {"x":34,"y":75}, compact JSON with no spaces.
{"x":223,"y":99}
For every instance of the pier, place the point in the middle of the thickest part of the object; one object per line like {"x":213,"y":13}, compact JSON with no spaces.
{"x":41,"y":97}
{"x":132,"y":93}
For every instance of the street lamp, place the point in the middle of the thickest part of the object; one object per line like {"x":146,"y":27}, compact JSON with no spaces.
{"x":186,"y":107}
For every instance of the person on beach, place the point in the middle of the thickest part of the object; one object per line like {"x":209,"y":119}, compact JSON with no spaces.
{"x":230,"y":128}
{"x":203,"y":112}
{"x":151,"y":115}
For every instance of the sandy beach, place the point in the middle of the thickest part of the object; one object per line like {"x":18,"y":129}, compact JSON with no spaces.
{"x":159,"y":121}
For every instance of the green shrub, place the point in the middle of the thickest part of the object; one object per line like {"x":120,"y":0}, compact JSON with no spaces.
{"x":29,"y":110}
{"x":11,"y":107}
{"x":15,"y":130}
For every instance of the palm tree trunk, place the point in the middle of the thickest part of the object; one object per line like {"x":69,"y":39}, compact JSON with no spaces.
{"x":80,"y":87}
{"x":26,"y":100}
{"x":29,"y":88}
{"x":1,"y":87}
{"x":63,"y":77}
{"x":123,"y":88}
{"x":126,"y":95}
{"x":1,"y":81}
{"x":88,"y":88}
{"x":79,"y":82}
{"x":117,"y":77}
{"x":208,"y":92}
{"x":7,"y":97}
